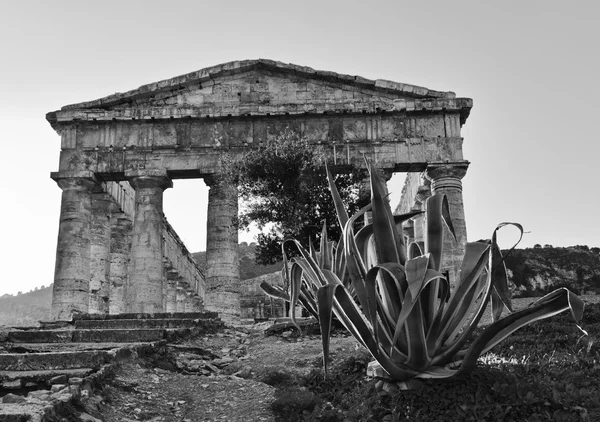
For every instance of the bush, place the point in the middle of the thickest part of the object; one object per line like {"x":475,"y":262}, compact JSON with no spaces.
{"x":292,"y":403}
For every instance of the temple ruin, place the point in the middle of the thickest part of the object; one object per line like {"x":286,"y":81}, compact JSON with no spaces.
{"x":116,"y":252}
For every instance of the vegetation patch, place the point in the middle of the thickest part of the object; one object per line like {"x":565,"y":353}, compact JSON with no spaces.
{"x":545,"y":372}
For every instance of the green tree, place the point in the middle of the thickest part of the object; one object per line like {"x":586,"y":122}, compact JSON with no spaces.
{"x":285,"y":192}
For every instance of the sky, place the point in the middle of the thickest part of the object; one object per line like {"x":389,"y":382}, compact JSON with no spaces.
{"x":531,"y":68}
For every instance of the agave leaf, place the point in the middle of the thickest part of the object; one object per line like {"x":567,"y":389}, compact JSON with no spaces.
{"x":437,"y":214}
{"x":325,"y":301}
{"x":499,"y":276}
{"x":295,"y":287}
{"x":398,"y":371}
{"x":414,"y":250}
{"x":552,"y":304}
{"x":326,"y":252}
{"x":311,"y":250}
{"x":366,"y":231}
{"x":354,"y":262}
{"x":497,"y":304}
{"x":390,"y":245}
{"x":274,"y":291}
{"x":340,"y":209}
{"x":475,"y":260}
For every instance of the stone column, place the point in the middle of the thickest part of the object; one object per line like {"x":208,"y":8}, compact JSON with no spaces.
{"x":409,"y":232}
{"x":222,"y":261}
{"x":420,"y":221}
{"x":102,"y":207}
{"x":446,"y":178}
{"x":172,"y":277}
{"x":120,"y":247}
{"x":144,"y":291}
{"x":179,"y":297}
{"x":72,"y":272}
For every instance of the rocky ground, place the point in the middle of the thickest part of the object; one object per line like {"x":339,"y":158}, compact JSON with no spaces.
{"x":211,"y":378}
{"x":216,"y":377}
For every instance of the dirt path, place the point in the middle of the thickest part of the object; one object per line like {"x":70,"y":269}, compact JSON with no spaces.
{"x":211,"y":378}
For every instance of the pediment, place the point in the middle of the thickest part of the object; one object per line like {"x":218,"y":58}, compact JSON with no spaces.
{"x":260,"y":87}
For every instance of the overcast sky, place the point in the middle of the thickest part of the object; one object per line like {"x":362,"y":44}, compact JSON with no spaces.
{"x":531,"y":67}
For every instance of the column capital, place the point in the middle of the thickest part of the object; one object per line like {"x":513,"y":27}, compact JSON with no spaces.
{"x":217,"y":179}
{"x":438,"y":170}
{"x":423,"y":192}
{"x":76,"y":180}
{"x":141,"y":180}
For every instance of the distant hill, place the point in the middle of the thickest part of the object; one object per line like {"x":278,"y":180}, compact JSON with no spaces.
{"x":26,"y":309}
{"x":532,"y":271}
{"x":248,"y":267}
{"x":539,"y":270}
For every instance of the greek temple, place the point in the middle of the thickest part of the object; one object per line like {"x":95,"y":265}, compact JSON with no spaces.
{"x":116,"y":252}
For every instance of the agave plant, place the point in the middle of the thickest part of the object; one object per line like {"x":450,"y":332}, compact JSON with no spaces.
{"x":396,"y":302}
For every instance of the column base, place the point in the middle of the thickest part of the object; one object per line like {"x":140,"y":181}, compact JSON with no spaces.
{"x":227,"y":304}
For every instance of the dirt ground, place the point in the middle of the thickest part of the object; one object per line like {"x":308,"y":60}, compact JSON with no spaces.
{"x":211,"y":378}
{"x":215,"y":377}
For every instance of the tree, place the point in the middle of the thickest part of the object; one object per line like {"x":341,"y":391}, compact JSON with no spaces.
{"x":285,"y":192}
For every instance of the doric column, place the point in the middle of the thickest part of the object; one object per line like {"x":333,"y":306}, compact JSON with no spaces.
{"x":120,"y":247}
{"x":144,"y":291}
{"x":222,"y":261}
{"x":179,"y":297}
{"x":420,"y":221}
{"x":72,"y":272}
{"x":172,"y":277}
{"x":409,"y":232}
{"x":446,"y":178}
{"x":102,"y":207}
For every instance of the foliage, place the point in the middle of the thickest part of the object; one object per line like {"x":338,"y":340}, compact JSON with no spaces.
{"x":398,"y":304}
{"x":26,"y":309}
{"x":286,"y":193}
{"x":546,"y":371}
{"x":537,"y":271}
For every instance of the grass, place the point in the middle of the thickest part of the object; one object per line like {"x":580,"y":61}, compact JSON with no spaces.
{"x":544,"y":372}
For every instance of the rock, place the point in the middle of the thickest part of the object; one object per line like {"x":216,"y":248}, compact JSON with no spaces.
{"x":75,"y":381}
{"x":12,"y":385}
{"x":59,"y":379}
{"x":13,"y":398}
{"x":85,"y":417}
{"x":39,"y":394}
{"x":222,"y":362}
{"x":57,"y":387}
{"x":286,"y":334}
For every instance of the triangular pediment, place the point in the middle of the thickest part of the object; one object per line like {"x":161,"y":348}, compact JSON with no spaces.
{"x":260,"y":87}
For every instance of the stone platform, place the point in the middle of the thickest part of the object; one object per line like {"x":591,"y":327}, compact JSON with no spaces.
{"x":43,"y":368}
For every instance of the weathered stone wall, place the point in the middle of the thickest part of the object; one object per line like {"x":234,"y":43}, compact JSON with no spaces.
{"x":184,"y":127}
{"x":254,"y":303}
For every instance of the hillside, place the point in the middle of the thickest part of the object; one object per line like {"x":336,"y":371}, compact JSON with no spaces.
{"x":248,"y":267}
{"x":538,"y":270}
{"x":533,"y":272}
{"x":26,"y":309}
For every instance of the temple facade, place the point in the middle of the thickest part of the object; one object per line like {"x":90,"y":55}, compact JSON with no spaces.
{"x":116,"y":252}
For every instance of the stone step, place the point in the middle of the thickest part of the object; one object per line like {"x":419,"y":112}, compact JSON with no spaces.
{"x":112,"y":324}
{"x":158,"y":315}
{"x":19,"y":379}
{"x":55,"y":361}
{"x":68,"y":347}
{"x":86,"y":336}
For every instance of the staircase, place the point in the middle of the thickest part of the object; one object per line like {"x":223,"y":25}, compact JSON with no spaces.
{"x":44,"y":368}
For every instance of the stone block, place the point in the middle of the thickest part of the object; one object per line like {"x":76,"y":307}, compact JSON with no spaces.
{"x":13,"y":398}
{"x":12,"y":385}
{"x":58,"y":387}
{"x":59,"y":379}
